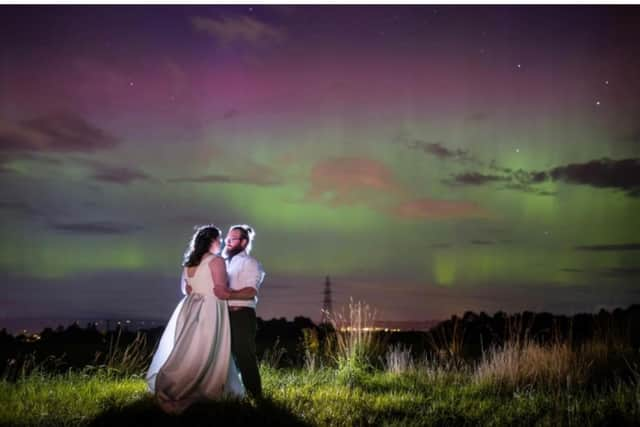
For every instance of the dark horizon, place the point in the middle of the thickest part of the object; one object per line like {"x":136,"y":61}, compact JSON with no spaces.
{"x":142,"y":324}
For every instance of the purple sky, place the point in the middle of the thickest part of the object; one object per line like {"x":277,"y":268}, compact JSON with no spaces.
{"x":430,"y":159}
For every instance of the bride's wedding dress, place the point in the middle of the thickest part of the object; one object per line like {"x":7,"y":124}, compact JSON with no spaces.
{"x":193,"y":360}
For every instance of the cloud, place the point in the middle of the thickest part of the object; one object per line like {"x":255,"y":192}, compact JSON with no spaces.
{"x":515,"y":180}
{"x":439,"y":150}
{"x":621,"y":174}
{"x":524,"y":177}
{"x":525,"y":188}
{"x":119,"y":175}
{"x":440,"y":245}
{"x":229,"y":114}
{"x":20,"y":137}
{"x":19,"y":207}
{"x":615,"y":272}
{"x":104,"y":172}
{"x":43,"y":160}
{"x":103,"y":228}
{"x":435,"y":149}
{"x":493,"y":165}
{"x":604,"y":173}
{"x":439,"y":209}
{"x":621,"y":272}
{"x":482,"y":242}
{"x":474,"y":178}
{"x":572,"y":270}
{"x":478,"y":117}
{"x":610,"y":247}
{"x":349,"y":180}
{"x":243,"y":29}
{"x":237,"y":170}
{"x":63,"y":132}
{"x":264,"y":181}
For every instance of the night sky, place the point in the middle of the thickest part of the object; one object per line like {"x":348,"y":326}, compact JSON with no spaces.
{"x":429,"y":159}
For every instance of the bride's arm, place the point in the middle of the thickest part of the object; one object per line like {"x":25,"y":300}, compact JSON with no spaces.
{"x":219,"y":276}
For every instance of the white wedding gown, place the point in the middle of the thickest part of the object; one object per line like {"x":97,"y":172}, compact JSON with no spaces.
{"x":193,"y":360}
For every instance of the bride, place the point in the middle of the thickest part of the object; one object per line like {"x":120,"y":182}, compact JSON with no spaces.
{"x":193,"y":359}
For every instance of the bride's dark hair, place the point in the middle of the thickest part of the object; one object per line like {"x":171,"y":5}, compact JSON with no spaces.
{"x":200,"y":244}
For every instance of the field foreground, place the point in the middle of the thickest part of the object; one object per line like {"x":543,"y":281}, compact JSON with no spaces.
{"x":320,"y":397}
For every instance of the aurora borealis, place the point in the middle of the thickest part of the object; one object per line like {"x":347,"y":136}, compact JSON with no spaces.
{"x":429,"y":159}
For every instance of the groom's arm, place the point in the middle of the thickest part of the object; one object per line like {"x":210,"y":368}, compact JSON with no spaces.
{"x":250,"y":278}
{"x":244,"y":293}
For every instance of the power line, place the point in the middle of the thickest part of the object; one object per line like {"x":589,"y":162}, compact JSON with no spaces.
{"x":327,"y":307}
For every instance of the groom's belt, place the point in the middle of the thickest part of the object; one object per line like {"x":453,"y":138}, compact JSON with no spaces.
{"x":237,"y":308}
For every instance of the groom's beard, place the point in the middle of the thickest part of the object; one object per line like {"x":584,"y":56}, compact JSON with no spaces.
{"x":230,"y":253}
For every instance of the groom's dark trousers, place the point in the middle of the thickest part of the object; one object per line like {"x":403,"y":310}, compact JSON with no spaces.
{"x":243,"y":347}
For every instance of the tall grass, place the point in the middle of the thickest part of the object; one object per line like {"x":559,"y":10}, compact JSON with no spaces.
{"x":311,"y":348}
{"x":130,"y":360}
{"x":355,"y":339}
{"x":357,"y":347}
{"x":28,"y":365}
{"x":398,"y":359}
{"x":529,"y":364}
{"x":522,"y":362}
{"x":447,"y":344}
{"x":272,"y":356}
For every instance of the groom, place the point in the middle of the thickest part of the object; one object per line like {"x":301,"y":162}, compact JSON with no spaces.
{"x":245,"y":277}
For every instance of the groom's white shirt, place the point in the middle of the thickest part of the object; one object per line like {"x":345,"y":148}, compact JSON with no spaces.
{"x":244,"y":271}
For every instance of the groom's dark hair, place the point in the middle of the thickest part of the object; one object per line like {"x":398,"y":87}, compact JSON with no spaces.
{"x":199,"y":245}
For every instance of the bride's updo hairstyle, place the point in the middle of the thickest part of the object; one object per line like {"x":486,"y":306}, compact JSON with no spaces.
{"x":200,"y":243}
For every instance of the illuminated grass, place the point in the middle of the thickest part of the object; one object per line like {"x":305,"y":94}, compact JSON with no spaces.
{"x":298,"y":397}
{"x":71,"y":399}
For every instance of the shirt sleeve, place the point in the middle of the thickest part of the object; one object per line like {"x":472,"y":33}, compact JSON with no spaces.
{"x":251,"y":274}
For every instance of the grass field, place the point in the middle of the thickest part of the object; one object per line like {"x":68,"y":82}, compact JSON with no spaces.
{"x":320,"y":397}
{"x":353,"y":378}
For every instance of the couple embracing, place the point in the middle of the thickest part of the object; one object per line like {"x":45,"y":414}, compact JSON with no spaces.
{"x":207,"y":349}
